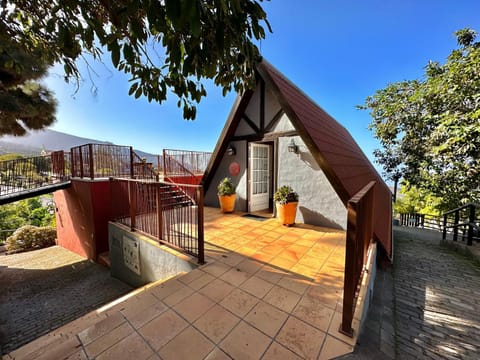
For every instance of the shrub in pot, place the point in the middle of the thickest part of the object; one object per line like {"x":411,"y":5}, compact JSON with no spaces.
{"x":286,"y":202}
{"x":226,"y":195}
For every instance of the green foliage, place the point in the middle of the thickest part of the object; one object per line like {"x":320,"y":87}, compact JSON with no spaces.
{"x":413,"y":200}
{"x":24,"y":102}
{"x":25,"y":212}
{"x":197,"y":39}
{"x":226,"y":187}
{"x":429,"y":129}
{"x":285,"y":195}
{"x":31,"y":237}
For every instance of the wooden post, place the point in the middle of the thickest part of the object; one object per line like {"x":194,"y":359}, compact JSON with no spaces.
{"x":159,"y":212}
{"x":471,"y":223}
{"x":349,"y":280}
{"x":132,"y":199}
{"x":200,"y":229}
{"x":72,"y":163}
{"x":81,"y":161}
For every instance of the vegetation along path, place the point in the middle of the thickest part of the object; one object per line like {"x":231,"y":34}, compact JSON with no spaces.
{"x":44,"y":289}
{"x":437,"y":297}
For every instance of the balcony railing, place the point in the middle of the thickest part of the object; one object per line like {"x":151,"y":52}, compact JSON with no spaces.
{"x":184,"y":167}
{"x":26,"y":174}
{"x":359,"y":238}
{"x":170,"y":213}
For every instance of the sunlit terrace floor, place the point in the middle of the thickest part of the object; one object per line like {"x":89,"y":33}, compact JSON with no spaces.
{"x":266,"y":292}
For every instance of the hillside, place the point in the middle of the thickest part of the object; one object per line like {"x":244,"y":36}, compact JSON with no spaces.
{"x":50,"y":140}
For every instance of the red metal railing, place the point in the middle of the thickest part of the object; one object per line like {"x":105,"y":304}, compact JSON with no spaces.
{"x":184,"y":167}
{"x":171,"y":213}
{"x":359,"y":238}
{"x":106,"y":160}
{"x":24,"y":174}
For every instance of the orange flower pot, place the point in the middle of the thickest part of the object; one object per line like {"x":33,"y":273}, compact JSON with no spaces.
{"x":227,"y":202}
{"x":286,"y":213}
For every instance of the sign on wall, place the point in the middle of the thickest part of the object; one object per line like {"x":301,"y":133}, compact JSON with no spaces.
{"x":131,"y":254}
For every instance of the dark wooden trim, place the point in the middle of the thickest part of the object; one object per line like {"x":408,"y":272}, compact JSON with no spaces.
{"x":250,"y":123}
{"x":274,"y":120}
{"x":262,"y":105}
{"x":307,"y":139}
{"x":225,"y":137}
{"x":265,"y":137}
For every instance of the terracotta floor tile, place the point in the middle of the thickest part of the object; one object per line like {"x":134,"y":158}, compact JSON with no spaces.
{"x":301,"y":338}
{"x":249,"y":266}
{"x":235,"y":277}
{"x":108,"y":340}
{"x":232,"y":259}
{"x":266,"y":318}
{"x":282,"y":263}
{"x":131,"y":347}
{"x":216,"y":269}
{"x":61,"y":350}
{"x":239,"y":302}
{"x":271,"y":274}
{"x":282,"y":298}
{"x":314,"y":313}
{"x":298,"y":250}
{"x":178,"y":295}
{"x":216,"y":323}
{"x":101,"y":328}
{"x":256,"y":286}
{"x":201,"y":281}
{"x":79,"y":355}
{"x":262,"y":257}
{"x":325,"y":295}
{"x":193,"y":307}
{"x":278,"y":352}
{"x":333,"y":348}
{"x":335,"y":325}
{"x":162,"y":329}
{"x":191,"y":276}
{"x":218,"y":354}
{"x":294,"y":283}
{"x":142,"y":317}
{"x":217,"y":290}
{"x":167,"y":288}
{"x":245,"y":342}
{"x":190,"y":344}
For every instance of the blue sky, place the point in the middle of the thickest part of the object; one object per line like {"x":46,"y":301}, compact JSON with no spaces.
{"x":338,"y":52}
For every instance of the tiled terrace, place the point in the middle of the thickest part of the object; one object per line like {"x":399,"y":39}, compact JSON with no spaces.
{"x":266,"y":292}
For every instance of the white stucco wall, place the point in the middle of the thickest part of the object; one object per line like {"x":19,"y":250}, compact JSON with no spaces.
{"x":319,"y":204}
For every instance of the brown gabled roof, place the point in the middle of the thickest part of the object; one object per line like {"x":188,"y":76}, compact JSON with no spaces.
{"x":336,"y":152}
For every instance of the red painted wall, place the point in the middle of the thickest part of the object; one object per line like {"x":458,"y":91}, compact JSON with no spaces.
{"x":83,"y":212}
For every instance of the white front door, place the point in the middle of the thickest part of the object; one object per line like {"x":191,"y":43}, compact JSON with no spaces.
{"x":259,"y":176}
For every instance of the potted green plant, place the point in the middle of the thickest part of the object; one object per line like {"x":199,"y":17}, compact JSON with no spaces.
{"x":226,"y":195}
{"x":286,"y":201}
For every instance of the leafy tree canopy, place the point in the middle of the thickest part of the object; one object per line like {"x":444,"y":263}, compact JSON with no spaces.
{"x":168,"y":45}
{"x":24,"y":102}
{"x":429,"y":128}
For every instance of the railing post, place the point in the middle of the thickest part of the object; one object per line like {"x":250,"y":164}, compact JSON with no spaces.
{"x":159,"y":212}
{"x":471,"y":223}
{"x":201,"y":245}
{"x":132,"y":199}
{"x":164,"y":163}
{"x":90,"y":162}
{"x":349,"y":281}
{"x":132,"y":173}
{"x":72,"y":163}
{"x":455,"y":225}
{"x":80,"y":153}
{"x":444,"y":235}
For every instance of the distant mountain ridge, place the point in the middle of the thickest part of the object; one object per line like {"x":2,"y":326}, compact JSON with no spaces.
{"x":50,"y":140}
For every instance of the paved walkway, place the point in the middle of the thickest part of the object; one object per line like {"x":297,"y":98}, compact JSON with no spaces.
{"x":435,"y":297}
{"x":44,"y":289}
{"x":267,"y":292}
